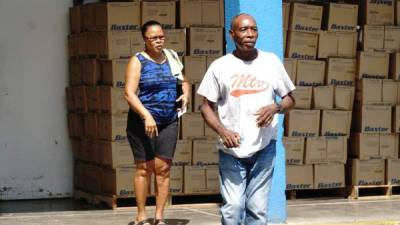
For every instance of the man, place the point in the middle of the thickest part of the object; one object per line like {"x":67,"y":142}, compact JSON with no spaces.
{"x":242,"y":86}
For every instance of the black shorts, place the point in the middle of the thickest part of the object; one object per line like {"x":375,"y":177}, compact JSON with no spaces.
{"x":145,"y":148}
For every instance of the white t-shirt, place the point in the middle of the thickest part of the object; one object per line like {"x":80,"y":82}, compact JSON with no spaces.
{"x":239,"y":89}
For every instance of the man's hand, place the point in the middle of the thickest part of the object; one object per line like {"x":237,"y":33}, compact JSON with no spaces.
{"x":265,"y":115}
{"x":230,"y":138}
{"x":150,"y":126}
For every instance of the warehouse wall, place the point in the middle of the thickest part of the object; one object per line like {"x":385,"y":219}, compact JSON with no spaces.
{"x":35,"y":155}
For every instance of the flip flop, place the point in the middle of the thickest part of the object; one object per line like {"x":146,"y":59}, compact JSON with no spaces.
{"x":143,"y":222}
{"x":160,"y":222}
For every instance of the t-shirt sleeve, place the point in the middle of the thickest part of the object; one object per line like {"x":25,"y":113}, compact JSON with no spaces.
{"x":209,"y":87}
{"x":284,"y":84}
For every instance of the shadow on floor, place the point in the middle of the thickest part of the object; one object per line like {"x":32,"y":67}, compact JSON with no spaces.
{"x":169,"y":222}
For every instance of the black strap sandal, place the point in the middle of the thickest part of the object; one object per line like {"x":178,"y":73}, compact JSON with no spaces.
{"x":160,"y":222}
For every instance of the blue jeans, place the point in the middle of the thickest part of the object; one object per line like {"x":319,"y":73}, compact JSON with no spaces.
{"x":245,"y":185}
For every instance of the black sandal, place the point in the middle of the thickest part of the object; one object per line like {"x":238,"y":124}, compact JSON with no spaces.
{"x":160,"y":222}
{"x":143,"y":222}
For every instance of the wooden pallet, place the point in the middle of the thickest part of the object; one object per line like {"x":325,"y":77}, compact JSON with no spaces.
{"x":316,"y":193}
{"x":114,"y":202}
{"x":371,"y":191}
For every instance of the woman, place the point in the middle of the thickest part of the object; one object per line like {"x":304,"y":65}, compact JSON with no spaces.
{"x":152,"y":120}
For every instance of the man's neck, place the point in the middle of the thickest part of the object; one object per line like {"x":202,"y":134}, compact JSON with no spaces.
{"x":246,"y":55}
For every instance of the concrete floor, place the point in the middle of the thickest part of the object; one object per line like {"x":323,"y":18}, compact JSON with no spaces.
{"x":70,"y":212}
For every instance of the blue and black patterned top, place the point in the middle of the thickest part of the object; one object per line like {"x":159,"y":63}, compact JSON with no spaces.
{"x":157,"y":90}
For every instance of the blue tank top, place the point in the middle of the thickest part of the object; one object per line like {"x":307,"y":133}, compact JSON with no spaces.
{"x":157,"y":90}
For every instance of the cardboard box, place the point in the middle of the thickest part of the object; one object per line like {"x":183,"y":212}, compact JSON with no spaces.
{"x":369,"y":91}
{"x":197,"y":99}
{"x":91,"y":72}
{"x":299,"y":177}
{"x":80,"y":98}
{"x":70,"y":99}
{"x":113,"y":72}
{"x":344,"y":97}
{"x":93,"y":98}
{"x":195,"y":68}
{"x":75,"y":19}
{"x":377,"y":12}
{"x":176,"y":39}
{"x":337,"y":44}
{"x":305,"y":18}
{"x":208,"y":132}
{"x":137,"y":44}
{"x":112,"y":100}
{"x":75,"y":73}
{"x":176,"y":180}
{"x":396,"y":119}
{"x":201,"y":12}
{"x":284,"y":37}
{"x":294,"y":149}
{"x":112,"y":127}
{"x":395,"y":66}
{"x":302,"y":123}
{"x":88,"y":17}
{"x":192,"y":125}
{"x":285,"y":15}
{"x":212,"y":179}
{"x":200,"y":179}
{"x":335,"y":123}
{"x":205,"y":41}
{"x":323,"y":97}
{"x":117,"y":16}
{"x":373,"y":37}
{"x":392,"y":172}
{"x":392,"y":38}
{"x":374,"y":119}
{"x":389,"y":92}
{"x":92,"y":179}
{"x":341,"y":71}
{"x":183,"y":153}
{"x":83,"y":44}
{"x":118,"y":181}
{"x":368,"y":172}
{"x":113,"y":45}
{"x":302,"y":45}
{"x":204,"y":152}
{"x":75,"y":125}
{"x":336,"y":149}
{"x":291,"y":68}
{"x":315,"y":152}
{"x":163,"y":11}
{"x":389,"y":146}
{"x":310,"y":72}
{"x":365,"y":146}
{"x":373,"y":65}
{"x":397,"y":12}
{"x":303,"y":97}
{"x":342,"y":17}
{"x":329,"y":176}
{"x":115,"y":154}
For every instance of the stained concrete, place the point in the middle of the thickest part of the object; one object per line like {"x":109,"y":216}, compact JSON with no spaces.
{"x":70,"y":212}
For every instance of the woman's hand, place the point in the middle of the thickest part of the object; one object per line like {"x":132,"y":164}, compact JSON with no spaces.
{"x":150,"y":126}
{"x":185,"y":100}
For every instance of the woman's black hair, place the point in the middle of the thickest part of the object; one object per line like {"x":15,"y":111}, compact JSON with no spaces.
{"x":148,"y":24}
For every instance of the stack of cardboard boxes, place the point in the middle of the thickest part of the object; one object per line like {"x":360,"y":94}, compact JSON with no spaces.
{"x":103,"y":38}
{"x":322,"y":65}
{"x":204,"y":21}
{"x":374,"y":141}
{"x":373,"y":70}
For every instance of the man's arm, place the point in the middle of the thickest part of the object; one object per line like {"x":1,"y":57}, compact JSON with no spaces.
{"x":266,"y":113}
{"x":230,"y":138}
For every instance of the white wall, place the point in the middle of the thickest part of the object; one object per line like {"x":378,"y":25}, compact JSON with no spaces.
{"x":35,"y":153}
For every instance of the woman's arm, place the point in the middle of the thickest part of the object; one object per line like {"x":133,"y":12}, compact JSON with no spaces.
{"x":132,"y":77}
